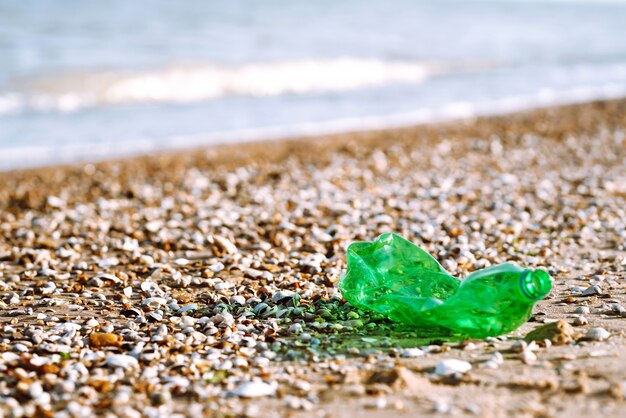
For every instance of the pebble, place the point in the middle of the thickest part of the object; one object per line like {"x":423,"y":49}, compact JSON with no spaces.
{"x":580,"y":320}
{"x":154,"y":316}
{"x":597,"y":334}
{"x":254,"y":389}
{"x":559,"y":333}
{"x":104,"y":339}
{"x":55,"y":348}
{"x":527,"y":356}
{"x":20,"y":348}
{"x":451,"y":367}
{"x":582,"y":310}
{"x":131,"y":313}
{"x":380,"y":402}
{"x":411,"y":353}
{"x":187,"y":308}
{"x":122,"y":361}
{"x":108,"y":277}
{"x":618,"y":309}
{"x":494,"y":361}
{"x":592,"y":290}
{"x":223,"y":244}
{"x":286,"y":297}
{"x":153,"y":302}
{"x":295,"y":329}
{"x":519,"y":346}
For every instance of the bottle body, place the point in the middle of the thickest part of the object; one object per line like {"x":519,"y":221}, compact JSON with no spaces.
{"x":396,"y":278}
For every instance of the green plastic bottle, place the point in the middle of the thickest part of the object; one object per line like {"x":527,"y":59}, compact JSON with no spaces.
{"x":396,"y":278}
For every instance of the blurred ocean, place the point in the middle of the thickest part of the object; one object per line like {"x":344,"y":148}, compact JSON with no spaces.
{"x":83,"y":80}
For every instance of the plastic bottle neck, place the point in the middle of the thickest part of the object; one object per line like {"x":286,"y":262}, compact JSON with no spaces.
{"x":535,"y":284}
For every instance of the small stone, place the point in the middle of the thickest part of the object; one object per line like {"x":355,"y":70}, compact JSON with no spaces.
{"x":131,"y":313}
{"x":20,"y":348}
{"x":582,"y":310}
{"x":399,"y":378}
{"x":181,"y":261}
{"x":104,"y":339}
{"x":154,"y":316}
{"x":295,"y":329}
{"x":187,"y":308}
{"x":123,"y":361}
{"x":55,"y":202}
{"x":580,"y":320}
{"x":559,"y":332}
{"x":146,"y":260}
{"x":519,"y":346}
{"x":597,"y":334}
{"x":527,"y":356}
{"x":618,"y":309}
{"x":592,"y":290}
{"x":9,"y":357}
{"x":254,"y":389}
{"x":55,"y":348}
{"x":35,"y":390}
{"x":494,"y":361}
{"x":450,"y":367}
{"x":237,"y":300}
{"x":411,"y":352}
{"x":153,"y":302}
{"x":108,"y":277}
{"x":286,"y":297}
{"x":223,"y":245}
{"x":160,"y":398}
{"x":443,"y":406}
{"x":379,"y":402}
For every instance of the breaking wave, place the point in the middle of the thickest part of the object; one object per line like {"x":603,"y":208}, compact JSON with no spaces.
{"x":184,"y":84}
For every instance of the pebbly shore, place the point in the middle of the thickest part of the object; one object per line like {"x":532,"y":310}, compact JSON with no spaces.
{"x":204,"y":283}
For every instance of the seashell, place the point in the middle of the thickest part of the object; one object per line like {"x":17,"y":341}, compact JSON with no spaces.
{"x":260,"y":308}
{"x":131,"y":313}
{"x":153,"y":302}
{"x":154,"y":317}
{"x":187,"y":308}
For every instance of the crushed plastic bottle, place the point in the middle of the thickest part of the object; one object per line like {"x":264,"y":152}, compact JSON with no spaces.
{"x":396,"y":278}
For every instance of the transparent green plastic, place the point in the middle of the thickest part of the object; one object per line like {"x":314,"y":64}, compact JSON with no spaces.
{"x":396,"y":278}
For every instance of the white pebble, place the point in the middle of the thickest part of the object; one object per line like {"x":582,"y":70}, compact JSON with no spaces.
{"x":597,"y":334}
{"x":592,"y":290}
{"x":123,"y":361}
{"x":452,"y":366}
{"x":254,"y":390}
{"x":582,"y":310}
{"x":295,"y":329}
{"x":411,"y":352}
{"x":153,"y":302}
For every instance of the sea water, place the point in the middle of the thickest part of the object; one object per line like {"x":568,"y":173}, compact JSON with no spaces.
{"x":87,"y":80}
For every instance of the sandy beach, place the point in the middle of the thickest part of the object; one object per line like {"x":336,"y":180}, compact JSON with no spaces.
{"x":203,"y":283}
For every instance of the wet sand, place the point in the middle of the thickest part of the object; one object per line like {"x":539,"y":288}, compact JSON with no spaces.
{"x":204,"y":282}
